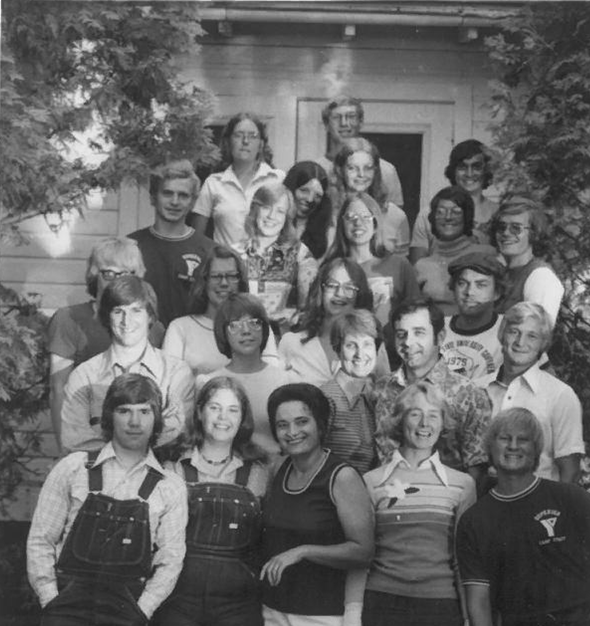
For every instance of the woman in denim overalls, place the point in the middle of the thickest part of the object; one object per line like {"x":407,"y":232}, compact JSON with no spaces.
{"x":218,"y":585}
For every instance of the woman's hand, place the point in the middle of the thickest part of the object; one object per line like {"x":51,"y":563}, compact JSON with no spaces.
{"x":273,"y":569}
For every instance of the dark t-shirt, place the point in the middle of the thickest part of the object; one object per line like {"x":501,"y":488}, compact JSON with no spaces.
{"x":170,"y":264}
{"x":533,"y":550}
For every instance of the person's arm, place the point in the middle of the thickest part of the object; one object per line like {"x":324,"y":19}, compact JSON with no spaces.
{"x":179,"y":402}
{"x":307,"y":269}
{"x":475,"y":417}
{"x":170,"y":539}
{"x":199,"y":223}
{"x":421,"y":238}
{"x":569,"y":468}
{"x":479,"y":607}
{"x":76,"y":413}
{"x":60,"y":369}
{"x":173,"y":344}
{"x":354,"y":593}
{"x":47,"y":527}
{"x":356,"y":517}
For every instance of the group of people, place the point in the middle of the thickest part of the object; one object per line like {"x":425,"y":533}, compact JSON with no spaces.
{"x":317,"y":416}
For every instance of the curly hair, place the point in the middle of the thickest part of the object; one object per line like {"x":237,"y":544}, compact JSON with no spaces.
{"x":467,"y":150}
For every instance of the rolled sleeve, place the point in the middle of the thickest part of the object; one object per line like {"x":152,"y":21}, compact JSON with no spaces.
{"x":170,"y":545}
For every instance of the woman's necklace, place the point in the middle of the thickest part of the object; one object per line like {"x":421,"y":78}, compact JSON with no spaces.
{"x":216,"y":463}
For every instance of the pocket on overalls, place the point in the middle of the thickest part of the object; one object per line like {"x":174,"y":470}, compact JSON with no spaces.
{"x":111,"y":537}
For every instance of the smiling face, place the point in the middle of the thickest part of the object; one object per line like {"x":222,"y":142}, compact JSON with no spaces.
{"x":245,"y":336}
{"x":245,"y":142}
{"x":296,"y":429}
{"x":308,"y":197}
{"x":343,"y":122}
{"x":358,"y":355}
{"x":221,"y":281}
{"x":522,"y":343}
{"x":359,"y":171}
{"x":130,"y":324}
{"x":221,"y":416}
{"x":469,"y":174}
{"x":422,"y":424}
{"x":132,"y":426}
{"x":513,"y":236}
{"x":513,"y":450}
{"x":448,"y":219}
{"x":359,"y":223}
{"x":271,"y":219}
{"x":475,"y":293}
{"x":174,"y":200}
{"x":416,"y":342}
{"x":338,"y":293}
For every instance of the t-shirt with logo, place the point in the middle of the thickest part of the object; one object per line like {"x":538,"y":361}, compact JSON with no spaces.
{"x":473,"y":353}
{"x":170,"y":263}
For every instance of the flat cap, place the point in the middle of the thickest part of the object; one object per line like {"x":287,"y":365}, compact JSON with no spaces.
{"x":482,"y":262}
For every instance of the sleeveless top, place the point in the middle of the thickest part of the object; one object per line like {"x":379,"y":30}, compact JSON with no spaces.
{"x":516,"y":277}
{"x":306,"y":516}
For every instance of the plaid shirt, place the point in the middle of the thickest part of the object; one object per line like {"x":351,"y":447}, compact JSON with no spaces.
{"x":61,"y":498}
{"x":469,"y":416}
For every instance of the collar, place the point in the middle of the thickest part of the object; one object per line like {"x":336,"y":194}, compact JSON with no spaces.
{"x":438,"y":372}
{"x":190,"y":232}
{"x":432,"y":462}
{"x":473,"y":331}
{"x":201,"y":465}
{"x":108,"y":452}
{"x":229,"y":176}
{"x":274,"y":246}
{"x":532,"y":377}
{"x":150,"y":360}
{"x":342,"y":377}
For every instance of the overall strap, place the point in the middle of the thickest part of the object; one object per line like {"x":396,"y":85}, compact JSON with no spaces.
{"x":152,"y":478}
{"x":191,"y":473}
{"x":243,"y":473}
{"x":94,"y":473}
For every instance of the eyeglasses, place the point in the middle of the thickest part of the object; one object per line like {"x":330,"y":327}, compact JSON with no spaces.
{"x":454,"y":213}
{"x":250,"y":323}
{"x":240,"y":136}
{"x":514,"y":228}
{"x":355,"y":217}
{"x":230,"y":277}
{"x":111,"y":274}
{"x":347,"y":289}
{"x":344,"y":117}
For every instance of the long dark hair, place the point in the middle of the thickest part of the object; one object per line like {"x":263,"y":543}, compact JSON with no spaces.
{"x":314,"y":235}
{"x":314,"y":314}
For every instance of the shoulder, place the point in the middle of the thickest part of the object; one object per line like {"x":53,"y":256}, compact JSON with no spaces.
{"x":141,"y":234}
{"x":459,"y":479}
{"x":172,"y":485}
{"x":290,"y":340}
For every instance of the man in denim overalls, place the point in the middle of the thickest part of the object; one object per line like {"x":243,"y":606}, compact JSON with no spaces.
{"x":107,"y":539}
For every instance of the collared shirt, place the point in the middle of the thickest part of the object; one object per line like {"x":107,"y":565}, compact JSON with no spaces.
{"x":554,"y":403}
{"x":469,"y":416}
{"x":280,"y":275}
{"x":351,"y":429}
{"x":61,"y":498}
{"x":416,"y":512}
{"x":208,"y":473}
{"x":225,"y":200}
{"x":87,"y":387}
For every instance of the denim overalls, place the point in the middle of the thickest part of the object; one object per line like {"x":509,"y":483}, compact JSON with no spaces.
{"x":218,"y":585}
{"x":105,"y":560}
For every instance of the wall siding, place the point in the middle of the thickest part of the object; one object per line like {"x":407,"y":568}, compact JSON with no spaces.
{"x":264,"y":68}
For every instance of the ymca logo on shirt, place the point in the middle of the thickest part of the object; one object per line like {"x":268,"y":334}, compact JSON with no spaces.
{"x":548,"y":520}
